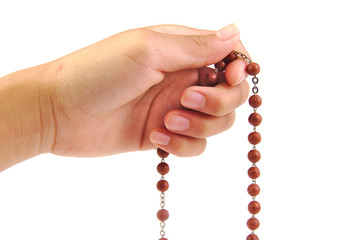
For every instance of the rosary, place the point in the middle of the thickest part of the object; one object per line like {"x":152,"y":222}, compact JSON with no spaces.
{"x":254,"y":155}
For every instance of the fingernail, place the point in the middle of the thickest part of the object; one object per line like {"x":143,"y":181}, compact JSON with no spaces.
{"x":193,"y":100}
{"x":228,"y":32}
{"x":160,"y":138}
{"x":177,"y":123}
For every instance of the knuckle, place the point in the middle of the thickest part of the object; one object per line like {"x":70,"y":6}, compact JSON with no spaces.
{"x":245,"y":92}
{"x":230,"y":119}
{"x":220,"y":107}
{"x":201,"y":42}
{"x":141,"y":41}
{"x":203,"y":129}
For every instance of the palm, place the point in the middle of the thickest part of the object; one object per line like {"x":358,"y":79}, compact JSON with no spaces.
{"x":97,"y":130}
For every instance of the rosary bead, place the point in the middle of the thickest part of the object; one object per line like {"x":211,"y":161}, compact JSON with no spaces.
{"x":253,"y":223}
{"x":251,"y":237}
{"x":163,"y":168}
{"x":211,"y":79}
{"x":162,"y":185}
{"x":161,"y":153}
{"x":255,"y":101}
{"x":254,"y":207}
{"x":253,"y":189}
{"x":254,"y":172}
{"x":255,"y":119}
{"x":162,"y":215}
{"x":230,"y":57}
{"x":254,"y":138}
{"x":253,"y":69}
{"x":254,"y":156}
{"x":220,"y":66}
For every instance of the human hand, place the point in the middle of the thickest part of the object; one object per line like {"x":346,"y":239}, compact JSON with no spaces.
{"x":139,"y":89}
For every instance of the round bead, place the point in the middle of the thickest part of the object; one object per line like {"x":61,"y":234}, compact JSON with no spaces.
{"x":252,"y":237}
{"x":220,"y":66}
{"x":161,"y":153}
{"x":163,"y":239}
{"x":162,"y":215}
{"x":230,"y":57}
{"x":255,"y":119}
{"x":255,"y":101}
{"x":163,"y":168}
{"x":162,"y":185}
{"x":254,"y":138}
{"x":253,"y":69}
{"x":253,"y":189}
{"x":254,"y":156}
{"x":253,"y":223}
{"x":254,"y":207}
{"x":211,"y":79}
{"x":254,"y":172}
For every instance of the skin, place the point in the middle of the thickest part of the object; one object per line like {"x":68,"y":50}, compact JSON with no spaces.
{"x":123,"y":94}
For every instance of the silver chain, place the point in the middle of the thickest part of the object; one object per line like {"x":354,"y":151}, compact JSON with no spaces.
{"x":243,"y":56}
{"x":162,"y":197}
{"x":162,"y":226}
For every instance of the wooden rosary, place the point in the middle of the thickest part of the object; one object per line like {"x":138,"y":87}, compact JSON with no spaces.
{"x":254,"y":155}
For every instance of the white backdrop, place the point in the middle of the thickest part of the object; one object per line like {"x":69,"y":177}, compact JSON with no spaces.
{"x":308,"y":51}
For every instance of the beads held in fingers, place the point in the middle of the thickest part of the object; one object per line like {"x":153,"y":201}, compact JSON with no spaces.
{"x":161,"y":153}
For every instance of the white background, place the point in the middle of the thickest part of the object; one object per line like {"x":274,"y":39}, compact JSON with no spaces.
{"x":309,"y":82}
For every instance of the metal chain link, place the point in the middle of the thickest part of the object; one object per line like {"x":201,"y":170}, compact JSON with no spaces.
{"x":243,"y":56}
{"x":162,"y":197}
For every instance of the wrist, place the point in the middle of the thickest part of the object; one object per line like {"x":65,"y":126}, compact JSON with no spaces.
{"x":27,"y":123}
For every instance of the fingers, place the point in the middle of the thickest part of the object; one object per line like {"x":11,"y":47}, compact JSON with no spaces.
{"x":197,"y":125}
{"x":176,"y":144}
{"x":216,"y":101}
{"x":180,"y":30}
{"x":172,"y":52}
{"x":186,"y":130}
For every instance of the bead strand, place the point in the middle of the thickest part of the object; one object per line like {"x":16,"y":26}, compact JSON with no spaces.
{"x":162,"y":185}
{"x":254,"y":155}
{"x":212,"y":77}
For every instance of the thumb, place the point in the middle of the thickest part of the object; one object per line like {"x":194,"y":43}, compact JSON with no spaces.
{"x":170,"y":52}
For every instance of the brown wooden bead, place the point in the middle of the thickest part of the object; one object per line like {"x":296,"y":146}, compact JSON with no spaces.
{"x":252,"y":237}
{"x":253,"y":223}
{"x":161,"y":153}
{"x":162,"y":185}
{"x":230,"y":57}
{"x":254,"y":138}
{"x":211,"y":79}
{"x":255,"y":101}
{"x":253,"y":69}
{"x":163,"y":215}
{"x":255,"y":119}
{"x":254,"y":207}
{"x":254,"y":156}
{"x":253,"y":189}
{"x":220,"y":66}
{"x":254,"y":172}
{"x":163,"y":168}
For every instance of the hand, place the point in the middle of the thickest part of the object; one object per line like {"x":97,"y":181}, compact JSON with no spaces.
{"x":139,"y":89}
